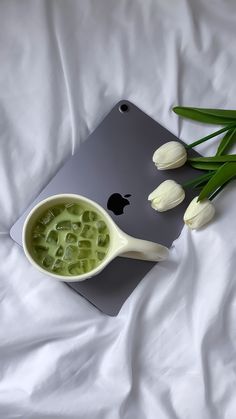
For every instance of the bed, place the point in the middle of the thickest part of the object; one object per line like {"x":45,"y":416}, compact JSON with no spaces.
{"x":170,"y":353}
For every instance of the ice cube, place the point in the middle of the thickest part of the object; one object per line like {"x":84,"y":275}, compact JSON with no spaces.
{"x":59,"y":266}
{"x":52,"y":237}
{"x":40,"y":251}
{"x":103,"y":240}
{"x":88,"y":232}
{"x":92,"y":264}
{"x":84,"y":253}
{"x":100,"y":255}
{"x":84,"y":243}
{"x":85,"y":266}
{"x":71,"y":238}
{"x":38,"y":231}
{"x":59,"y":251}
{"x":89,"y":216}
{"x":48,"y":261}
{"x":57,"y":210}
{"x":75,"y":269}
{"x":76,"y":226}
{"x":101,"y":226}
{"x":47,"y":217}
{"x":37,"y":237}
{"x":71,"y":252}
{"x":74,"y":209}
{"x":39,"y":228}
{"x":64,"y":225}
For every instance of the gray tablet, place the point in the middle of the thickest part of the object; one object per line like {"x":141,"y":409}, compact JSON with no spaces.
{"x":114,"y":167}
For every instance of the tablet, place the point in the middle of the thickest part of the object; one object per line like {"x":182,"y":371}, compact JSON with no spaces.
{"x":114,"y":168}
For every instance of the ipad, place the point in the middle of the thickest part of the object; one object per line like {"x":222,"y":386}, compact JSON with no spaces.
{"x":114,"y":168}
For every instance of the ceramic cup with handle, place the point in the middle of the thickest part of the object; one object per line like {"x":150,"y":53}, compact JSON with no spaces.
{"x":72,"y":238}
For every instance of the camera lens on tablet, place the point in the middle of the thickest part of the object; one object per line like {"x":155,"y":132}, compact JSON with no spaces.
{"x":123,"y":108}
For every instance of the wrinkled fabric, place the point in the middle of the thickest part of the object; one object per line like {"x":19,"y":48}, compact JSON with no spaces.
{"x":170,"y":353}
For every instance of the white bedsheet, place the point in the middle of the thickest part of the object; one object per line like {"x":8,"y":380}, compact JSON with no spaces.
{"x":170,"y":353}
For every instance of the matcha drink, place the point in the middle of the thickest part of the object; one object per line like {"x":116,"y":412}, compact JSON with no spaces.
{"x":70,"y":239}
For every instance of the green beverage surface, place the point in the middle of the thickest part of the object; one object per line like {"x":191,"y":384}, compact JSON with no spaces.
{"x":70,"y":239}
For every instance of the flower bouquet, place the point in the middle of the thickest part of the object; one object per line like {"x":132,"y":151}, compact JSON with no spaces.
{"x":219,"y":169}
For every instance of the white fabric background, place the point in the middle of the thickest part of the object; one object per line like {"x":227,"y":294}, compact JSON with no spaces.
{"x":171,"y":351}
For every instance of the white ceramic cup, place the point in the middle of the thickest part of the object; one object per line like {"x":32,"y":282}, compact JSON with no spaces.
{"x":121,"y":244}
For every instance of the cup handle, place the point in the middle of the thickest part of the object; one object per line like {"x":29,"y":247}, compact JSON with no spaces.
{"x":144,"y":250}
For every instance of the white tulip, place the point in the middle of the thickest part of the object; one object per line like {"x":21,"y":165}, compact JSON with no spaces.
{"x":167,"y":195}
{"x":199,"y":213}
{"x":170,"y":156}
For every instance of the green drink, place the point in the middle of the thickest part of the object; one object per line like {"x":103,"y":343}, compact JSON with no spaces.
{"x":69,"y":239}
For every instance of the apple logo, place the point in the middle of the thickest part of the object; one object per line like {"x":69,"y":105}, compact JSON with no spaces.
{"x":116,"y":203}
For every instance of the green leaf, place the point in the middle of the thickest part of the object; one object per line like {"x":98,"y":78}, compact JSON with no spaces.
{"x":205,"y":165}
{"x":200,"y":185}
{"x":203,"y":181}
{"x":208,"y":116}
{"x":198,"y":180}
{"x":225,"y":113}
{"x":214,"y":159}
{"x":226,"y":142}
{"x":223,"y":174}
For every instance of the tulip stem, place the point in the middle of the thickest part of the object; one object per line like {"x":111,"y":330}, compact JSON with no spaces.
{"x":214,"y":134}
{"x":197,"y":181}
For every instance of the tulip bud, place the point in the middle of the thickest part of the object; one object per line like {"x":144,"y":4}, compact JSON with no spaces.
{"x":199,"y":213}
{"x":170,"y":155}
{"x":167,"y":195}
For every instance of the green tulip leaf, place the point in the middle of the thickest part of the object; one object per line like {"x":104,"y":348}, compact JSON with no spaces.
{"x":208,"y":116}
{"x":198,"y":180}
{"x":226,"y":142}
{"x":203,"y":180}
{"x":205,"y":165}
{"x":225,"y":113}
{"x":226,"y":172}
{"x":214,"y":159}
{"x":200,"y":185}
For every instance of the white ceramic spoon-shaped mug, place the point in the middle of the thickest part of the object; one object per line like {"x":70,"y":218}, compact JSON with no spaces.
{"x":121,"y":244}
